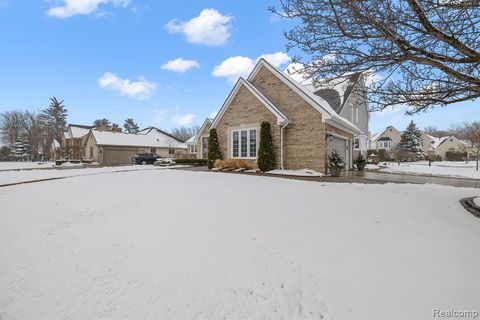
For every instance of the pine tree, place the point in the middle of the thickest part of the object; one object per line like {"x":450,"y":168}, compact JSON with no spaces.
{"x":130,"y":126}
{"x":266,"y":155}
{"x":214,"y":152}
{"x":54,"y":119}
{"x":411,"y":142}
{"x":102,"y":123}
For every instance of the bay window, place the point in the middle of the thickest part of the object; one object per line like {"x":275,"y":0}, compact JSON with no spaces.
{"x":244,"y":143}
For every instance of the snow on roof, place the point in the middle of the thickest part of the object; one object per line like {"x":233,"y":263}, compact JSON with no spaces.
{"x":55,"y":144}
{"x":78,"y":131}
{"x":192,"y":139}
{"x":67,"y":135}
{"x":153,"y":139}
{"x":439,"y":141}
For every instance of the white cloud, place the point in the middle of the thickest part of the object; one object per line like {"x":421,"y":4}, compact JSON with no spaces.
{"x":183,"y":119}
{"x":159,"y":116}
{"x":74,"y":7}
{"x":239,"y":66}
{"x":210,"y":28}
{"x":180,"y":65}
{"x":141,"y":89}
{"x":277,"y":59}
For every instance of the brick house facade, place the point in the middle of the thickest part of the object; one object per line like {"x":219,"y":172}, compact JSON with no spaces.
{"x":304,"y":126}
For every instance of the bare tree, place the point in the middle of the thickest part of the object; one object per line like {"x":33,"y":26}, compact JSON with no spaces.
{"x":184,"y":133}
{"x":423,"y":53}
{"x":471,"y":133}
{"x":11,"y":126}
{"x":434,"y":131}
{"x":33,"y":132}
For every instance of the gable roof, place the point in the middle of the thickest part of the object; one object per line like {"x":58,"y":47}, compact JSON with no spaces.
{"x":336,"y":91}
{"x":153,"y":139}
{"x":194,"y":139}
{"x":318,"y":103}
{"x":281,"y":118}
{"x":378,"y":134}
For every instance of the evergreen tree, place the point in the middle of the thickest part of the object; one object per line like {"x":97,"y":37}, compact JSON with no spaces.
{"x":214,"y":152}
{"x":266,"y":155}
{"x":130,"y":126}
{"x":54,"y":121}
{"x":102,"y":123}
{"x":411,"y":142}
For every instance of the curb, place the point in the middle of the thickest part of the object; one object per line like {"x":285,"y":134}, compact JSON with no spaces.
{"x":470,"y":206}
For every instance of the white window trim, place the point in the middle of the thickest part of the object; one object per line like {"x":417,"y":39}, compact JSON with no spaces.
{"x":239,"y":130}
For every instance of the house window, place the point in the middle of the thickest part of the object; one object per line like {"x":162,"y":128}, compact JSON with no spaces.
{"x":171,"y":151}
{"x":153,"y":150}
{"x":91,"y":152}
{"x":384,"y":144}
{"x":356,"y":114}
{"x":204,"y":147}
{"x":244,"y":143}
{"x":356,"y":143}
{"x":193,"y":148}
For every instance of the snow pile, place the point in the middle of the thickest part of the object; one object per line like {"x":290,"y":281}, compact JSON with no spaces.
{"x":12,"y":165}
{"x":477,"y":201}
{"x":371,"y":166}
{"x":441,"y":169}
{"x":137,"y":245}
{"x":297,"y":173}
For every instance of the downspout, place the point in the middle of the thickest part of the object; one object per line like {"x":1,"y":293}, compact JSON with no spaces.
{"x":282,"y":141}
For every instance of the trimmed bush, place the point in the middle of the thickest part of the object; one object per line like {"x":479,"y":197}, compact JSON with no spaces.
{"x":214,"y":152}
{"x":232,"y":164}
{"x":266,"y":155}
{"x":455,"y":156}
{"x":194,"y":162}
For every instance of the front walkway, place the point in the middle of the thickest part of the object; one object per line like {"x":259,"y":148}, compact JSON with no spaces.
{"x":371,"y":177}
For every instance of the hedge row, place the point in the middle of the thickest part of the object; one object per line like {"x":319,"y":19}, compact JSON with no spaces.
{"x":195,"y":162}
{"x":456,"y":156}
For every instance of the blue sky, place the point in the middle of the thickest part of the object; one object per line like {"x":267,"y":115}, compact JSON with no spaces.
{"x":164,"y":63}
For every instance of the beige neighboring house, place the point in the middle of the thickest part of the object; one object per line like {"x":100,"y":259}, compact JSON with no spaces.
{"x":110,"y":147}
{"x":198,"y":144}
{"x":387,"y":139}
{"x":305,"y":127}
{"x":449,"y":143}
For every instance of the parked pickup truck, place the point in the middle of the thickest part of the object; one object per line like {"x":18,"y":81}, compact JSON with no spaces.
{"x":145,"y":158}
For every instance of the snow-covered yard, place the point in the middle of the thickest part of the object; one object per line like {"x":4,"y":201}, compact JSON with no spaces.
{"x":440,"y":168}
{"x":169,"y":244}
{"x":12,"y":165}
{"x":8,"y":177}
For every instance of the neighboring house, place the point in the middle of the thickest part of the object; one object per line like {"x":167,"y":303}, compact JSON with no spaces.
{"x":450,"y":143}
{"x":73,"y":141}
{"x":110,"y":147}
{"x":348,"y":97}
{"x":198,"y":144}
{"x":305,"y":127}
{"x":387,"y":139}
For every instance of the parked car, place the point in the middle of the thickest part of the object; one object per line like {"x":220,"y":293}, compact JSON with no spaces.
{"x":145,"y":158}
{"x":164,"y":162}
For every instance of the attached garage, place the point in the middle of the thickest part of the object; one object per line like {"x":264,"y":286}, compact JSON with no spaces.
{"x":116,"y":155}
{"x":340,"y":145}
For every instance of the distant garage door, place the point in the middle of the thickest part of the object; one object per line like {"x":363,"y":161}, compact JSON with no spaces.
{"x":339,"y":145}
{"x":118,"y":155}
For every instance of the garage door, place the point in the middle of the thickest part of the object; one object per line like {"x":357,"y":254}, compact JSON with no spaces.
{"x":339,"y":145}
{"x":118,"y":155}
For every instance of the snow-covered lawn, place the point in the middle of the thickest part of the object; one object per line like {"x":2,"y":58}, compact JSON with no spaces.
{"x":8,"y":177}
{"x":440,"y":168}
{"x":169,"y":244}
{"x":12,"y":165}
